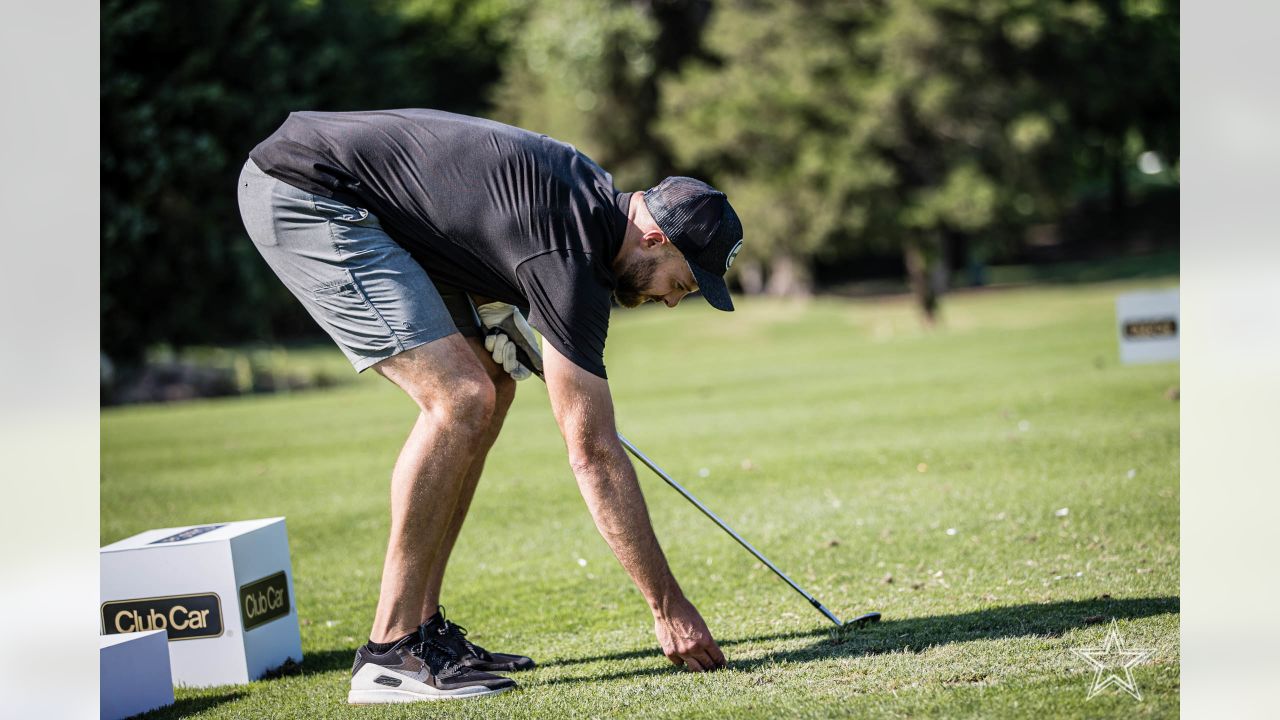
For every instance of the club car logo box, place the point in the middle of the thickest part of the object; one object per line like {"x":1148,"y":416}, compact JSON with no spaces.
{"x":222,"y":592}
{"x":1148,"y":326}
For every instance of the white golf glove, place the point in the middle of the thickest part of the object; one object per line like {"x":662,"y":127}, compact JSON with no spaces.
{"x":509,"y":335}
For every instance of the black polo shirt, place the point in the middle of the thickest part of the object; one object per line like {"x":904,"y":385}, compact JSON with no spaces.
{"x":495,"y":210}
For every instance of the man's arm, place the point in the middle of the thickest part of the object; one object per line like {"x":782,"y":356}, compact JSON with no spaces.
{"x":584,"y":410}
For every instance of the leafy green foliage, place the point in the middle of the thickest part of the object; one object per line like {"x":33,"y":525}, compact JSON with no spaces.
{"x":189,"y":88}
{"x":847,"y":126}
{"x":840,"y":128}
{"x":588,"y":71}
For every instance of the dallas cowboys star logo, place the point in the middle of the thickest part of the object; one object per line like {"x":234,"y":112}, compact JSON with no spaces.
{"x":1110,"y":660}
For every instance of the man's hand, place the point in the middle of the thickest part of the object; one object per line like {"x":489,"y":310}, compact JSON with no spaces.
{"x":505,"y":355}
{"x":685,"y":639}
{"x":584,"y":411}
{"x":510,"y":340}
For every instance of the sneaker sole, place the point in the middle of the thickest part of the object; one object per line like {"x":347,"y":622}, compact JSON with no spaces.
{"x":389,"y":695}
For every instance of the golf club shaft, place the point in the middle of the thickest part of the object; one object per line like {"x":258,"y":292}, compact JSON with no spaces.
{"x":716,"y":519}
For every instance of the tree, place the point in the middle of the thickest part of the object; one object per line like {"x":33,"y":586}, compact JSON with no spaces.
{"x":189,"y":88}
{"x":840,"y":126}
{"x":589,"y":72}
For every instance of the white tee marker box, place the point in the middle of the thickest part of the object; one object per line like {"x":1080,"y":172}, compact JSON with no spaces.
{"x":222,"y":592}
{"x":1148,"y":324}
{"x":133,"y":672}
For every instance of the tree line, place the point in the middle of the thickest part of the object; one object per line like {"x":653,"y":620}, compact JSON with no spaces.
{"x":840,"y":128}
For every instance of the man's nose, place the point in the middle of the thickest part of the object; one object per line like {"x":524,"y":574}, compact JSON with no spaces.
{"x":673,"y":299}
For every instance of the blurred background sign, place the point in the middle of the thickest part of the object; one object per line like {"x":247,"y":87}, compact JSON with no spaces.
{"x":1148,"y":324}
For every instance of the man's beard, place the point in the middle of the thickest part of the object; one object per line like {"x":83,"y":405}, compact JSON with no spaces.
{"x":631,"y":283}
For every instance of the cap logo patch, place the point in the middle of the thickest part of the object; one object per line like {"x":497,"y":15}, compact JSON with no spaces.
{"x":728,"y":262}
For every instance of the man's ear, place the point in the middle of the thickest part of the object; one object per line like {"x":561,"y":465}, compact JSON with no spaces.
{"x":653,"y":238}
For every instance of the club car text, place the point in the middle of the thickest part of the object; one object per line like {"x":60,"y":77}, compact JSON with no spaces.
{"x":182,"y":617}
{"x":262,"y":601}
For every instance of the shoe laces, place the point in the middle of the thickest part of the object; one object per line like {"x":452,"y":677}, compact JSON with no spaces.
{"x":451,"y":628}
{"x":441,"y":660}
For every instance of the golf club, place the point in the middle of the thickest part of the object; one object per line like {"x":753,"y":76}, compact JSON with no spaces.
{"x":858,"y":622}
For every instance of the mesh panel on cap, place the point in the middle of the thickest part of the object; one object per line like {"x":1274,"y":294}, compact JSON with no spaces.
{"x":675,"y":200}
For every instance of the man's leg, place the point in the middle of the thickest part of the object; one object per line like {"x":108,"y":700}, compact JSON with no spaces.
{"x":504,"y":393}
{"x":457,"y":400}
{"x":467,"y":652}
{"x":383,"y":311}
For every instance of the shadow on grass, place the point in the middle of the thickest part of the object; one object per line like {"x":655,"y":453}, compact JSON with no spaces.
{"x":913,"y":634}
{"x":323,"y":661}
{"x":186,"y":707}
{"x":889,"y":635}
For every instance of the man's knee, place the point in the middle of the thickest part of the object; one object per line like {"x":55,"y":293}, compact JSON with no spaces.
{"x":468,"y":405}
{"x":447,"y":383}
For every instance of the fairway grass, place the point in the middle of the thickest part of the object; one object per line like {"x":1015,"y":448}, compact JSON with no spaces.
{"x":987,"y":485}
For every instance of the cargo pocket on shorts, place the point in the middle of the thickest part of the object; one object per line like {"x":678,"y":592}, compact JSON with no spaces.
{"x":351,"y":319}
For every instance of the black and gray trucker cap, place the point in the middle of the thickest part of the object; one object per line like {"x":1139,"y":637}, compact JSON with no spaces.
{"x":699,"y":221}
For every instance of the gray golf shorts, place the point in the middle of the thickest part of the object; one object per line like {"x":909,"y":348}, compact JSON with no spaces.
{"x":362,"y":287}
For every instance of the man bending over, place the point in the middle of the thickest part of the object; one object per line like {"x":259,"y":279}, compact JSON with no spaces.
{"x":421,"y":241}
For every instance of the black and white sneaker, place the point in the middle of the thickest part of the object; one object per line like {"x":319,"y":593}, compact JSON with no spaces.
{"x":454,"y":637}
{"x":417,"y":668}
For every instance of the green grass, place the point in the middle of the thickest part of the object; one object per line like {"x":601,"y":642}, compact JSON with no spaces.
{"x":838,"y":436}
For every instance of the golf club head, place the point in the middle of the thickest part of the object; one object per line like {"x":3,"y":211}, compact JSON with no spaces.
{"x":846,"y":630}
{"x":861,"y":621}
